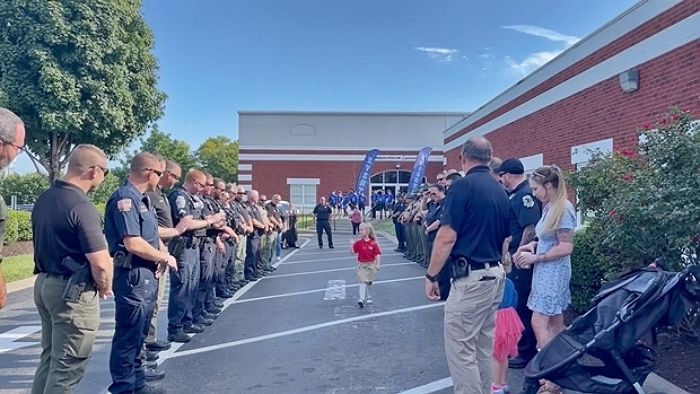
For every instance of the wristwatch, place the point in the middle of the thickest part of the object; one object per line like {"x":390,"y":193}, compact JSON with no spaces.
{"x":431,"y":278}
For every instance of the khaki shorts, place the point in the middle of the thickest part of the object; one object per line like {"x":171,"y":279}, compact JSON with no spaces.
{"x":367,"y":272}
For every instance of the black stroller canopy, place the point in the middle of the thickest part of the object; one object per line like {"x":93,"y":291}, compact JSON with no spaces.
{"x":600,"y":352}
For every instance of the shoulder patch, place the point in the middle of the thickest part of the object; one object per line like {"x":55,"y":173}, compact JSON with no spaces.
{"x":124,"y":205}
{"x":528,"y":202}
{"x":180,"y":202}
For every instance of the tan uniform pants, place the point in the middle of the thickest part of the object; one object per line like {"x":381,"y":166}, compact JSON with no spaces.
{"x":470,"y":316}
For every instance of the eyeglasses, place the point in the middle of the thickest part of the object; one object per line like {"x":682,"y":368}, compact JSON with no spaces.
{"x":153,"y":170}
{"x":210,"y":184}
{"x":198,"y":183}
{"x":175,"y":177}
{"x":240,"y":193}
{"x":105,"y":170}
{"x":19,"y":148}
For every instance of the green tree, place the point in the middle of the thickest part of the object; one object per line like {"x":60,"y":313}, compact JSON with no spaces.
{"x":219,"y":156}
{"x":78,"y":72}
{"x":169,"y":147}
{"x":26,"y":187}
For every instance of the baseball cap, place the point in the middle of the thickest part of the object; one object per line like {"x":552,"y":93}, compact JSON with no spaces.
{"x":511,"y":166}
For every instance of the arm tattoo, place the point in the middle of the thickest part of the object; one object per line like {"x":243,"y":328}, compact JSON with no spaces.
{"x":565,"y":235}
{"x":528,"y":235}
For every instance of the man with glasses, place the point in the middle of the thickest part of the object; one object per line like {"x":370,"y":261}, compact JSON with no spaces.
{"x":441,"y":179}
{"x":185,"y":201}
{"x":524,"y":215}
{"x":167,"y":231}
{"x":140,"y":257}
{"x":67,"y":233}
{"x":243,"y":234}
{"x":11,"y":145}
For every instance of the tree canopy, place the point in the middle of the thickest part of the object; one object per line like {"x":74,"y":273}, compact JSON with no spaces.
{"x":78,"y":72}
{"x":219,"y":156}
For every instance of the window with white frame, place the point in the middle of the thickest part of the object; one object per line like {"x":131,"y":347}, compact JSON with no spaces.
{"x":580,"y":156}
{"x":302,"y":193}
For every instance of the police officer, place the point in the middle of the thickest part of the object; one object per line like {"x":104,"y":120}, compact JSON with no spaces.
{"x":166,"y":231}
{"x":243,"y":234}
{"x":131,"y":228}
{"x":68,"y":235}
{"x":229,"y":239}
{"x":474,"y":226}
{"x":396,"y":212}
{"x":322,"y":213}
{"x":11,"y":144}
{"x":252,"y":253}
{"x":275,"y":217}
{"x":525,"y":213}
{"x":184,"y":202}
{"x":437,"y":196}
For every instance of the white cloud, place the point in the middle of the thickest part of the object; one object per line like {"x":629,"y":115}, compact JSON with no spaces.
{"x":442,"y":54}
{"x":544,"y":33}
{"x":531,"y":63}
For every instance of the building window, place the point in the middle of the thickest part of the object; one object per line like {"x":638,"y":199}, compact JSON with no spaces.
{"x":580,"y":156}
{"x":302,"y":193}
{"x":394,"y":180}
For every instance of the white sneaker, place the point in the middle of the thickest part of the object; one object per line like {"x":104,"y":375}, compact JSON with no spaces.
{"x":369,"y":300}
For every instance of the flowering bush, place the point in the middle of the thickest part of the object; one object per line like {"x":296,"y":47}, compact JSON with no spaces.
{"x":644,"y":202}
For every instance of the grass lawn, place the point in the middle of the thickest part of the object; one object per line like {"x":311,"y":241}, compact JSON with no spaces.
{"x":17,"y":267}
{"x":386,"y":225}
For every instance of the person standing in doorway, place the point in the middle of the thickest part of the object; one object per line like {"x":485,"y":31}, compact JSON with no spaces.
{"x":322,"y":213}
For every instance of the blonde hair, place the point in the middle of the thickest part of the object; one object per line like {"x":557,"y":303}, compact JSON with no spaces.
{"x":557,"y":204}
{"x":370,"y":231}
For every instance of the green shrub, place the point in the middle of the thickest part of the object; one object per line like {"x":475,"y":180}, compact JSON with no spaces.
{"x":19,"y":227}
{"x":589,"y":268}
{"x":26,"y":187}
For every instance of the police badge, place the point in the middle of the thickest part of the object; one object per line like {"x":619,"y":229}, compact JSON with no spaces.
{"x":528,"y":202}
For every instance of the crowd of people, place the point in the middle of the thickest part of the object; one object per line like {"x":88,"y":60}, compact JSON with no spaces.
{"x":210,"y":237}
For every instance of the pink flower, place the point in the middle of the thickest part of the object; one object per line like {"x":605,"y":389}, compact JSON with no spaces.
{"x":663,"y":121}
{"x":612,"y":213}
{"x":646,"y":126}
{"x":629,"y":177}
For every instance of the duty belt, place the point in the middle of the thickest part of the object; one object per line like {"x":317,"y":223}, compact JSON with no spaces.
{"x":461,"y":267}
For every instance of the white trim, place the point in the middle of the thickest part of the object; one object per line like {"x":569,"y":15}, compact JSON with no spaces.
{"x":245,"y":167}
{"x":303,"y":181}
{"x":531,"y":163}
{"x":604,"y":36}
{"x":246,"y":187}
{"x":320,"y":157}
{"x":245,"y":177}
{"x":430,"y":387}
{"x":325,"y":148}
{"x":582,"y":153}
{"x":678,"y":35}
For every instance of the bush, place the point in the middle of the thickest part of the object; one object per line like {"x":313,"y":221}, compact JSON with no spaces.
{"x":26,"y":187}
{"x":589,"y":268}
{"x":644,"y":200}
{"x":19,"y":227}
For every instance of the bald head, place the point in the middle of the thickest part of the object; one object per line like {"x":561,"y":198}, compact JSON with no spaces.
{"x":85,"y":157}
{"x":477,"y":149}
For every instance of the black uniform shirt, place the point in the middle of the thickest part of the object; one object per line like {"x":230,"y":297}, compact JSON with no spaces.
{"x":274,"y":211}
{"x":64,"y":223}
{"x":162,"y":206}
{"x":525,"y":210}
{"x":478,"y":210}
{"x":434,"y":214}
{"x":322,"y":212}
{"x":183,"y":203}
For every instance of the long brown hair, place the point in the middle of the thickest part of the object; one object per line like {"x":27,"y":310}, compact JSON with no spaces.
{"x":370,"y":231}
{"x":557,"y":204}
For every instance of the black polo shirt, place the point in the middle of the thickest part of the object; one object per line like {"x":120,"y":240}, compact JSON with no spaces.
{"x":478,"y":210}
{"x":434,"y":214}
{"x":162,"y":206}
{"x":64,"y":223}
{"x":525,"y":210}
{"x":322,"y":212}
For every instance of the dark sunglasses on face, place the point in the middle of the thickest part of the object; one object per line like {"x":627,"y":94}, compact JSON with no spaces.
{"x":153,"y":170}
{"x":105,"y":171}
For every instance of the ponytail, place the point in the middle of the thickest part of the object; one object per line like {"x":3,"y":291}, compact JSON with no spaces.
{"x":557,"y":204}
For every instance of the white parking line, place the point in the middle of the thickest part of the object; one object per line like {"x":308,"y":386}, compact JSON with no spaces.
{"x":333,"y":259}
{"x":430,"y":387}
{"x":164,"y":355}
{"x":296,"y":293}
{"x":324,"y":271}
{"x":304,"y":329}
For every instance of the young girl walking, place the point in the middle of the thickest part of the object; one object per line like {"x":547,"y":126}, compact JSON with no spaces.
{"x":368,"y":261}
{"x":356,"y":219}
{"x":509,"y":329}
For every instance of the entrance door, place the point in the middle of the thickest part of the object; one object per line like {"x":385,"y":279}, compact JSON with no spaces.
{"x":394,"y":180}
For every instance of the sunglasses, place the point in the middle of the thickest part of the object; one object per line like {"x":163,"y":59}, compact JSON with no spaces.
{"x":105,"y":171}
{"x":240,"y":193}
{"x":175,"y":177}
{"x":153,"y":170}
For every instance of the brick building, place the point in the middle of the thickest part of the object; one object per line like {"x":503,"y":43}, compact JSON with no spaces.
{"x":593,"y":96}
{"x":305,"y":155}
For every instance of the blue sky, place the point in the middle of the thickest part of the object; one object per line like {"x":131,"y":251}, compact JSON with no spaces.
{"x":217,"y":57}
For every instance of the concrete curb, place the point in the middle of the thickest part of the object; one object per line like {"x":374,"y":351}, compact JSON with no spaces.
{"x":21,"y":284}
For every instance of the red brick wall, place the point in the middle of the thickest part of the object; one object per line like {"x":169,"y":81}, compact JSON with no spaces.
{"x":602,"y":111}
{"x":271,"y":176}
{"x":646,"y":30}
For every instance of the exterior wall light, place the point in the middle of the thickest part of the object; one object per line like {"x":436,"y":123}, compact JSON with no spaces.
{"x":629,"y":80}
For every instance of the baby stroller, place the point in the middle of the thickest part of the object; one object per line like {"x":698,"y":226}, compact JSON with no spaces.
{"x":600,"y":352}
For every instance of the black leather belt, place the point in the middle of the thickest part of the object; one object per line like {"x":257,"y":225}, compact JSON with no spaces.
{"x":482,"y":266}
{"x":59,"y":276}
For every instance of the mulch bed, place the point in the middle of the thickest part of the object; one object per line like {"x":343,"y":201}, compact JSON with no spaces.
{"x":18,"y":249}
